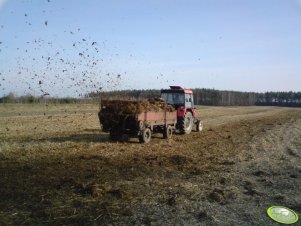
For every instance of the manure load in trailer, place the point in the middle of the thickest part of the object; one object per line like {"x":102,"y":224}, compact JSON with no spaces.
{"x":124,"y":118}
{"x":134,"y":107}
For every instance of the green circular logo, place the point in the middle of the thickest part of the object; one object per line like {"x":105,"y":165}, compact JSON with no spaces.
{"x":282,"y":215}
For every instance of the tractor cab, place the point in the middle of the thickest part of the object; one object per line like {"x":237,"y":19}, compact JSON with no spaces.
{"x":178,"y":97}
{"x":182,"y":100}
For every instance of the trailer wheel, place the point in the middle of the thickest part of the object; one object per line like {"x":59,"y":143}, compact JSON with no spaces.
{"x":124,"y":138}
{"x":186,"y":123}
{"x":114,"y":135}
{"x":199,"y":126}
{"x":145,"y":136}
{"x":167,"y":132}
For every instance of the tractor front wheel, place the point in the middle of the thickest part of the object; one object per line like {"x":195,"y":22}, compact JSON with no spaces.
{"x":199,"y":126}
{"x":186,"y":123}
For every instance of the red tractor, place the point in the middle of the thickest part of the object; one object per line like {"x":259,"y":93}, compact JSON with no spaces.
{"x":182,"y":100}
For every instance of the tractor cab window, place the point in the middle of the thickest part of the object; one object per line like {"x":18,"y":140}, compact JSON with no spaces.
{"x":174,"y":98}
{"x":188,"y":100}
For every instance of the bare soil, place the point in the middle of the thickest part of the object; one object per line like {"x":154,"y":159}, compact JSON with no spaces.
{"x":57,"y":168}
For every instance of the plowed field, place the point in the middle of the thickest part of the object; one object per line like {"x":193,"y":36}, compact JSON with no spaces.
{"x":57,"y":168}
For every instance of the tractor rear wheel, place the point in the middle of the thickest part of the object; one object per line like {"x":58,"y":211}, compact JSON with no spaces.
{"x":145,"y":136}
{"x":186,"y":123}
{"x":167,"y":132}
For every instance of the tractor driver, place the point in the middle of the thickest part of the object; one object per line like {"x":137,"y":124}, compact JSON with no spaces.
{"x":178,"y":98}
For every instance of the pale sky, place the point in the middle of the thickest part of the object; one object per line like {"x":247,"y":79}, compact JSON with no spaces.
{"x":67,"y":48}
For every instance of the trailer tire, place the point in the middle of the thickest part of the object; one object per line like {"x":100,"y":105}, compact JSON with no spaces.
{"x":145,"y":136}
{"x":101,"y":128}
{"x":113,"y":136}
{"x":186,"y":123}
{"x":124,"y":138}
{"x":167,"y":132}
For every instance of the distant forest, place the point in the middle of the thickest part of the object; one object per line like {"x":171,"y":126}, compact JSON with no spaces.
{"x":201,"y":97}
{"x":218,"y":98}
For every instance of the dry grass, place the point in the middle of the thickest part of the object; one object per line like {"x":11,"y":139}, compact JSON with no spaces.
{"x":57,"y":168}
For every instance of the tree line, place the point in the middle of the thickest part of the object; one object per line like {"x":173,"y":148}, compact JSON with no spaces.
{"x":30,"y":99}
{"x":217,"y":97}
{"x":201,"y":97}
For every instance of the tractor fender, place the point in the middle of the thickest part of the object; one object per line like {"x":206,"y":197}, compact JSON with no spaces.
{"x":182,"y":112}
